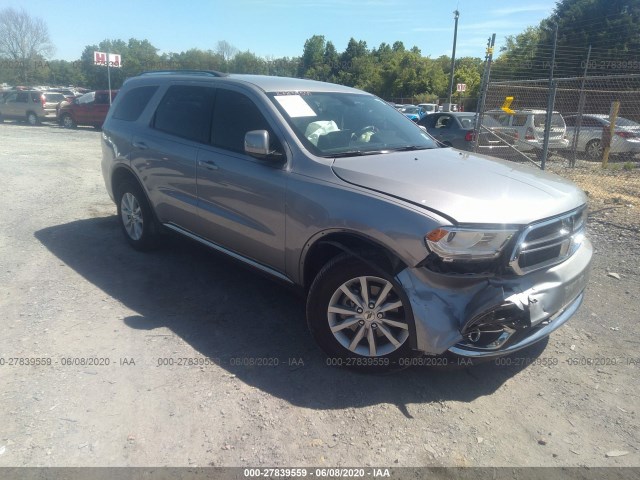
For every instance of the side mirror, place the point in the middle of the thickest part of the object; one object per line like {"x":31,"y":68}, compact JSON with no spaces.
{"x":256,"y":144}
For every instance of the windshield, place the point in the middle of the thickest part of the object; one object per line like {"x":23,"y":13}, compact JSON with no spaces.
{"x":414,"y":110}
{"x":333,"y":124}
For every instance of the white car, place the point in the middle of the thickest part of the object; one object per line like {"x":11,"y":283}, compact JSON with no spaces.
{"x":529,"y":124}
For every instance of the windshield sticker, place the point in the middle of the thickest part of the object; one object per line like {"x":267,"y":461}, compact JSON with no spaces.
{"x":295,"y":106}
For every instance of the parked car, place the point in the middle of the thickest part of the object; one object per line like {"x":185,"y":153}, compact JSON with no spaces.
{"x":400,"y":247}
{"x":625,"y":140}
{"x":88,"y":109}
{"x":530,"y":126}
{"x":412,"y":113}
{"x":30,"y":106}
{"x":456,"y":129}
{"x":428,"y":108}
{"x":68,"y":93}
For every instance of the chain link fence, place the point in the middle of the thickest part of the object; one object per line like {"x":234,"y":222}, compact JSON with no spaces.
{"x":589,"y":128}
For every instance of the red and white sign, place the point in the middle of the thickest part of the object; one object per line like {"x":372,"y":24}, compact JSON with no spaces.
{"x":114,"y":59}
{"x":461,"y":87}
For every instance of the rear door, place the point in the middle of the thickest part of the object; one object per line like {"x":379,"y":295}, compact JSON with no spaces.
{"x":241,"y":199}
{"x":164,"y":155}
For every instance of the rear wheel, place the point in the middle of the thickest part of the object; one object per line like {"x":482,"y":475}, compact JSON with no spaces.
{"x":136,"y":218}
{"x":360,"y":316}
{"x":32,"y":119}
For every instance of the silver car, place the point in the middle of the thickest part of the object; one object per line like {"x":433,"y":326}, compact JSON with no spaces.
{"x":625,"y":140}
{"x":401,"y":248}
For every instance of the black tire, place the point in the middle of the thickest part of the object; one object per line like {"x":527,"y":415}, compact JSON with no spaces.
{"x":346,"y":271}
{"x":138,"y":223}
{"x":32,"y":119}
{"x":593,"y":149}
{"x":67,"y":121}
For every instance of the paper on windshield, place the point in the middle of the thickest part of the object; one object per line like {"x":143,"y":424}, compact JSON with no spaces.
{"x":295,"y":106}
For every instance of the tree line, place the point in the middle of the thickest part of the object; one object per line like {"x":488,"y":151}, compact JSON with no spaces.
{"x":391,"y":71}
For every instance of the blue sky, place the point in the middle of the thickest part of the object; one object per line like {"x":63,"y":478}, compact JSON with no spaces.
{"x":279,"y":28}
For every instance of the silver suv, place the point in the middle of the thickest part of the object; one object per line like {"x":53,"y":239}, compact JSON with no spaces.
{"x":402,"y":248}
{"x":32,"y":106}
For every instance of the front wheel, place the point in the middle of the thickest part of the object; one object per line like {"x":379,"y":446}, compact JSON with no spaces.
{"x":136,"y":218}
{"x":360,"y":316}
{"x":67,"y":121}
{"x":594,"y":149}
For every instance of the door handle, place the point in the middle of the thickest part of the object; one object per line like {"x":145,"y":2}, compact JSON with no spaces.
{"x":140,"y":145}
{"x":208,"y":164}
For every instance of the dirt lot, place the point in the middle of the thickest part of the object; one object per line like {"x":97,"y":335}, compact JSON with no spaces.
{"x":71,"y":290}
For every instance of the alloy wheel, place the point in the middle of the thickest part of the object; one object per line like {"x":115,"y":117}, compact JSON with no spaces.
{"x":131,"y":214}
{"x":367,"y":317}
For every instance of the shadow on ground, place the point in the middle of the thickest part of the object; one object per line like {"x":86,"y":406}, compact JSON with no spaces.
{"x":225,"y":311}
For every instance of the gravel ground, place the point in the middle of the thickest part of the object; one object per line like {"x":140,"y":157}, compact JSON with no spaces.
{"x":71,"y":290}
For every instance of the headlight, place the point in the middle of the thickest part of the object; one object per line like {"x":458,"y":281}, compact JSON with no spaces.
{"x":452,"y":243}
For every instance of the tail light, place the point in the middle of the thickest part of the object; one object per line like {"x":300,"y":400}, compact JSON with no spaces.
{"x":43,"y":99}
{"x":470,"y":137}
{"x":516,"y":135}
{"x":529,"y":134}
{"x":625,"y":134}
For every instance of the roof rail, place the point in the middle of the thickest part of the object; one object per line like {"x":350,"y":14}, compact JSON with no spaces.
{"x":207,"y":73}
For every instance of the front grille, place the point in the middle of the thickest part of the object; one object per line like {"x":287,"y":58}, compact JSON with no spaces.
{"x":549,"y":242}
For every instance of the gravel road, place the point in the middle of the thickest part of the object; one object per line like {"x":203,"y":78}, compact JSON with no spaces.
{"x":182,"y":357}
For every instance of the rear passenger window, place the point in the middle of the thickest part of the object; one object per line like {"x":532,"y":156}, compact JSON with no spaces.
{"x":133,"y":103}
{"x":235,"y":115}
{"x":185,"y":111}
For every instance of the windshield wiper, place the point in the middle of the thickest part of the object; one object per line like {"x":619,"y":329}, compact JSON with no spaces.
{"x":409,"y":148}
{"x":356,"y":153}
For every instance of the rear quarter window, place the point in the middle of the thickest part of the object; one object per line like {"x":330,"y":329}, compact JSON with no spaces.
{"x":133,"y":103}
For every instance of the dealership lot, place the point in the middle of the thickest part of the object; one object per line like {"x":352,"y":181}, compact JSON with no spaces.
{"x":183,"y":357}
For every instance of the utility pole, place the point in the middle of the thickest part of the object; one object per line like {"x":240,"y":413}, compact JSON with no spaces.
{"x":456,"y":14}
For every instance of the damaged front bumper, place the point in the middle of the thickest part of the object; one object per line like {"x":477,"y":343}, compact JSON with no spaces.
{"x":488,"y":316}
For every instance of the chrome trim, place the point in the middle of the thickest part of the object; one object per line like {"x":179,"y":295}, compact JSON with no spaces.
{"x":566,"y":239}
{"x":231,"y":253}
{"x":555,"y":322}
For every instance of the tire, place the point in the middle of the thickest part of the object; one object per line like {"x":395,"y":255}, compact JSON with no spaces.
{"x":32,"y":119}
{"x":355,"y":331}
{"x":137,"y":221}
{"x":67,"y":121}
{"x":593,"y":149}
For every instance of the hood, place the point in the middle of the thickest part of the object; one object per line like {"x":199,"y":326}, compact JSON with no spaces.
{"x":465,"y":187}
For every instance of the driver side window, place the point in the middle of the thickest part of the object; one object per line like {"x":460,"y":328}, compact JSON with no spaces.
{"x":234,"y":115}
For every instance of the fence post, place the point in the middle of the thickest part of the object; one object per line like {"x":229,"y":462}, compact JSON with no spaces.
{"x":547,"y":123}
{"x":486,"y":75}
{"x":613,"y":116}
{"x":581,"y":101}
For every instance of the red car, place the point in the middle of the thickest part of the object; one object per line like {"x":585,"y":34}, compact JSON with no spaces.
{"x":88,"y":109}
